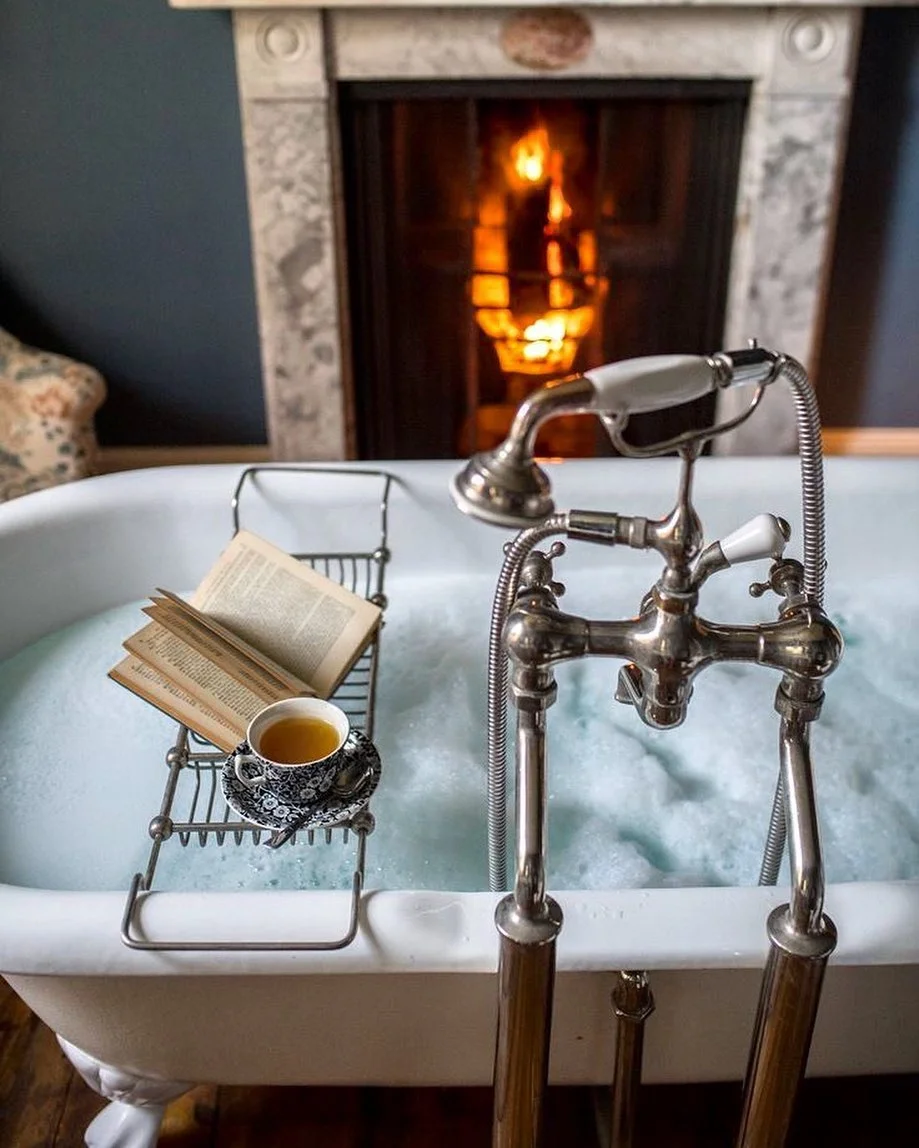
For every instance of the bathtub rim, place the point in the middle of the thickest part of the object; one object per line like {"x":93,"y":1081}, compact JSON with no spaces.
{"x":77,"y":933}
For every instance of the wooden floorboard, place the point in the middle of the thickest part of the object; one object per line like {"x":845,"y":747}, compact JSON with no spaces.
{"x":191,"y":1121}
{"x":35,"y":1077}
{"x":81,"y":1105}
{"x":256,"y":1117}
{"x":45,"y":1104}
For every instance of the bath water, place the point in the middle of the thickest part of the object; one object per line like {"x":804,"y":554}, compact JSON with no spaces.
{"x":82,"y":761}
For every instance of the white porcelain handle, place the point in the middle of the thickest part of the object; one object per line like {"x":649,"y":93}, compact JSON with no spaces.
{"x":761,"y":537}
{"x":651,"y":383}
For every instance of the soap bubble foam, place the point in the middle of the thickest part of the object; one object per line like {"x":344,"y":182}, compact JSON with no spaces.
{"x":82,"y":762}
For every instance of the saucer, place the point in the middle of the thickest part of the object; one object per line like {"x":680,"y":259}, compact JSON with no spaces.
{"x":263,"y":808}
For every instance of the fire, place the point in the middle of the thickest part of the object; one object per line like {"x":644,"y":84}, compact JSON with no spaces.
{"x":545,"y":336}
{"x":559,"y":207}
{"x":531,"y":338}
{"x":547,"y":345}
{"x":533,"y":162}
{"x":530,"y":155}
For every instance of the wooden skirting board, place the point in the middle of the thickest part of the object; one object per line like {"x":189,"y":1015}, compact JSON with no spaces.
{"x":114,"y":458}
{"x":865,"y":441}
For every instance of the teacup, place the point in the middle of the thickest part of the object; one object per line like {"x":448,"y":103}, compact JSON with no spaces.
{"x":294,"y":747}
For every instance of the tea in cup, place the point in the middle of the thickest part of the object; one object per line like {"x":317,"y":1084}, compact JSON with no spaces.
{"x":294,"y":747}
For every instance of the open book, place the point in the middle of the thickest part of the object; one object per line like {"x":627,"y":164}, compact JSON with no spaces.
{"x":260,"y":627}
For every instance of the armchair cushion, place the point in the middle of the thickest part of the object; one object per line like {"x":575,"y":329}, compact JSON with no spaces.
{"x":47,"y":404}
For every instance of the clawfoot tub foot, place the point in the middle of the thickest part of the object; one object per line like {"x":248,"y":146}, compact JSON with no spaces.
{"x":133,"y":1118}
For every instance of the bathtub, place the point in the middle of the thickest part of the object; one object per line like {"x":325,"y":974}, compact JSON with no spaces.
{"x":412,"y":1001}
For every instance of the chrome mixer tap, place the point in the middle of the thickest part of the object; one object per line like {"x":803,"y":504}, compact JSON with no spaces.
{"x":664,"y":647}
{"x":669,"y":643}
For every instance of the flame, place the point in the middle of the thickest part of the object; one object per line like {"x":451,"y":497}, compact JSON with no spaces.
{"x":533,"y":343}
{"x":540,"y":345}
{"x":561,"y":292}
{"x":559,"y":207}
{"x":545,"y":337}
{"x":530,"y":156}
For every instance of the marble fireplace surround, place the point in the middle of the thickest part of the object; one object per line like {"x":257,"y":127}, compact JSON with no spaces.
{"x":800,"y":61}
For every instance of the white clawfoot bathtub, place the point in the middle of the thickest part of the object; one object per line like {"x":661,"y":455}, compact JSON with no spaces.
{"x":413,"y":999}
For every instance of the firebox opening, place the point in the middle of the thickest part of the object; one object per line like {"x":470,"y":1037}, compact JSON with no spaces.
{"x":501,"y":234}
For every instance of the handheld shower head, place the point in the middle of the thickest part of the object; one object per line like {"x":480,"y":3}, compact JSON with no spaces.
{"x":505,"y":486}
{"x":653,"y":383}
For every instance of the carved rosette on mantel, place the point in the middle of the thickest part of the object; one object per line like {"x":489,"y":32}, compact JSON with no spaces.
{"x":546,"y":39}
{"x":800,"y":64}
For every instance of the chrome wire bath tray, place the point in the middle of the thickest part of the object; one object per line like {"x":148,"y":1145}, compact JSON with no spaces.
{"x":193,"y":809}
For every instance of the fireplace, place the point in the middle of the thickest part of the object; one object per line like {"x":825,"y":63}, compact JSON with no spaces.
{"x":502,"y":234}
{"x":303,"y":72}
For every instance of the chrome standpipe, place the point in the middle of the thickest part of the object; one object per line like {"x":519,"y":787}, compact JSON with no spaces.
{"x":527,"y":920}
{"x":633,"y":1003}
{"x":801,"y":939}
{"x":515,"y":553}
{"x":664,"y":648}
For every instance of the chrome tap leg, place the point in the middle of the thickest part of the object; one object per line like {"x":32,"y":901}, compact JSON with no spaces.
{"x":528,"y":920}
{"x":784,"y":1023}
{"x":526,"y":980}
{"x":801,"y":939}
{"x":633,"y":1003}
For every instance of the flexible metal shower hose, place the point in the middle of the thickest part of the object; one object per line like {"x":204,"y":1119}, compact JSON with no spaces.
{"x":505,"y":592}
{"x":810,"y":450}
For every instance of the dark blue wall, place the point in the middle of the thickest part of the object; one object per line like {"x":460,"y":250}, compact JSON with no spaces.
{"x":869,"y":367}
{"x":123,"y":232}
{"x":124,"y":240}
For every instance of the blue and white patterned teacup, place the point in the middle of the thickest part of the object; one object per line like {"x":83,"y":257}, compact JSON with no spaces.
{"x":295,"y":746}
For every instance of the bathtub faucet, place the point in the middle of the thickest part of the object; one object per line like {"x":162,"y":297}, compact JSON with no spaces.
{"x":664,"y":647}
{"x":668,"y":643}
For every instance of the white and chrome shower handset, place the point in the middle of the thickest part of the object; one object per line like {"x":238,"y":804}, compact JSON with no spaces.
{"x":655,"y":382}
{"x":505,"y":486}
{"x":652,"y":383}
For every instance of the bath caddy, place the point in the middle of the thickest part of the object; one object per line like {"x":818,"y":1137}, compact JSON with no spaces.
{"x":194,"y":809}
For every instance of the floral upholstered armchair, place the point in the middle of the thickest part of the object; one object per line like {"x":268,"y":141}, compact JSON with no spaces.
{"x":47,"y":404}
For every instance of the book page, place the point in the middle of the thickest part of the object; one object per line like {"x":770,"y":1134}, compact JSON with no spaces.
{"x":223,"y":648}
{"x":306,"y":622}
{"x":150,"y":685}
{"x":196,"y":674}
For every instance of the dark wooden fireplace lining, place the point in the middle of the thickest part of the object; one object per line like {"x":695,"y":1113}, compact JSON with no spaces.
{"x":667,"y":151}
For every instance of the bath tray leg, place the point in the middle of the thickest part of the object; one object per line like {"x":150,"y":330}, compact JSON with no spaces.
{"x":133,"y":1117}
